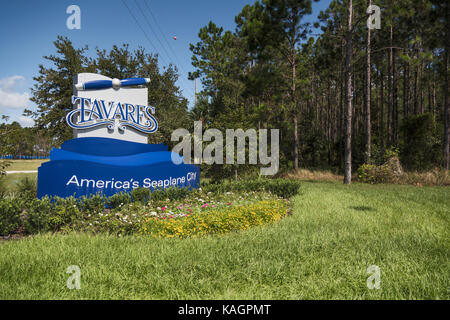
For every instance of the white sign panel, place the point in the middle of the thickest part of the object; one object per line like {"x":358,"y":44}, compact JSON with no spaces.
{"x":110,"y":108}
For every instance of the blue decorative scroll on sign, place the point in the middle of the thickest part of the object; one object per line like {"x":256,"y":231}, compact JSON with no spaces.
{"x":87,"y":166}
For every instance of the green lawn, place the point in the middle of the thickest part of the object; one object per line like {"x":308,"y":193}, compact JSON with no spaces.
{"x":322,"y":251}
{"x":24,"y":165}
{"x":11,"y":180}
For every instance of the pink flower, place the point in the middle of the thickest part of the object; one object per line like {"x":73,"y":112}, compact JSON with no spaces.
{"x":179,"y":207}
{"x":163,"y":209}
{"x":205,"y":205}
{"x":213,"y":206}
{"x":228,"y":203}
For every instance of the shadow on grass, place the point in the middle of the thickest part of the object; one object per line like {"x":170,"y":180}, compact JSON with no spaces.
{"x":362,"y":208}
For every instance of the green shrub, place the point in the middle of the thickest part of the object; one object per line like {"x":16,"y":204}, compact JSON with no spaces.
{"x":2,"y":188}
{"x":10,"y":210}
{"x":38,"y":213}
{"x":141,"y":195}
{"x":173,"y":193}
{"x":144,"y":195}
{"x":92,"y":204}
{"x":44,"y":214}
{"x":3,"y":165}
{"x":65,"y":213}
{"x":389,"y":172}
{"x":27,"y":187}
{"x":118,"y":199}
{"x":370,"y":173}
{"x":367,"y":173}
{"x":281,"y":187}
{"x":422,"y":147}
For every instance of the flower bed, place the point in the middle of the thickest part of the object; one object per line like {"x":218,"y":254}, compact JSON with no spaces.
{"x":131,"y":218}
{"x":165,"y":213}
{"x":216,"y":221}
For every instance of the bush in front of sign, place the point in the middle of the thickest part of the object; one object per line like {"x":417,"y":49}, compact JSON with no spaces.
{"x":9,"y":216}
{"x":117,"y":200}
{"x":220,"y":221}
{"x":281,"y":187}
{"x":27,"y":187}
{"x":144,"y":195}
{"x":44,"y":215}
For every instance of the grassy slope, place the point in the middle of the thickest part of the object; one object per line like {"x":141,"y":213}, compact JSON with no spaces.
{"x":22,"y":165}
{"x":11,"y":180}
{"x":322,"y":251}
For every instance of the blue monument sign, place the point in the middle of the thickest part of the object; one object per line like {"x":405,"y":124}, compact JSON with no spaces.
{"x":109,"y":153}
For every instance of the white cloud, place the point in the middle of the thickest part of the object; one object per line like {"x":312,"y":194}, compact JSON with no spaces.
{"x":8,"y":83}
{"x":25,"y":121}
{"x":9,"y":97}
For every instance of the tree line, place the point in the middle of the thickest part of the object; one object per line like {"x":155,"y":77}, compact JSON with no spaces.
{"x":341,"y":98}
{"x":19,"y":142}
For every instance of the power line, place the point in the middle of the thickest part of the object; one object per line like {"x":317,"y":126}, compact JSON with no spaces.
{"x":164,"y":36}
{"x":151,"y":28}
{"x":142,"y":29}
{"x":145,"y":34}
{"x":162,"y":45}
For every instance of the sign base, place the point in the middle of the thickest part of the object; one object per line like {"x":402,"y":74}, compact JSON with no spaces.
{"x":87,"y":166}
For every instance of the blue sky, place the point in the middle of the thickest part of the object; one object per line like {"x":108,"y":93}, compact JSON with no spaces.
{"x":28,"y":29}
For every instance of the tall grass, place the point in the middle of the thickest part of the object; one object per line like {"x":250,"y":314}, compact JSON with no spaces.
{"x":315,"y":175}
{"x":434,"y":177}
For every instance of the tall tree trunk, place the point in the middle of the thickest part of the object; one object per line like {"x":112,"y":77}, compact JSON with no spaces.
{"x":341,"y":116}
{"x":382,"y":112}
{"x":294,"y":106}
{"x":329,"y":132}
{"x":405,"y":90}
{"x":421,"y":83}
{"x":348,"y":89}
{"x":295,"y":141}
{"x":416,"y":83}
{"x":434,"y":95}
{"x":394,"y":101}
{"x":430,"y":81}
{"x":446,"y":104}
{"x":368,"y":95}
{"x":390,"y":87}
